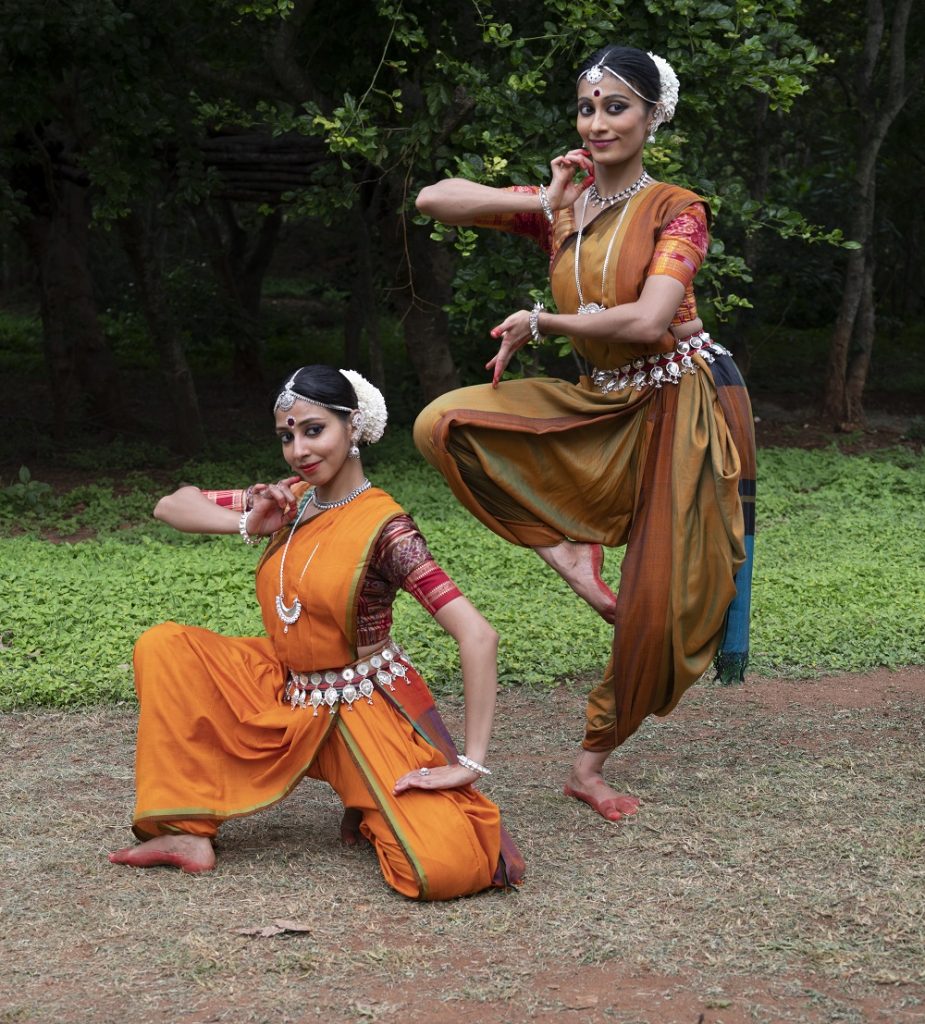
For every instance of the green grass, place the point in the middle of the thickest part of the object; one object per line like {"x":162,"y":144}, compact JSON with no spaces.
{"x":839,"y":579}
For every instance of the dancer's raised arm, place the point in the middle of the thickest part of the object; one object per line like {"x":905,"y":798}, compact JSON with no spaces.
{"x":461,"y":202}
{"x":188,"y":509}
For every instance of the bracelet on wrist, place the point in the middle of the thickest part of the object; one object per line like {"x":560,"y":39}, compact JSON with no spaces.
{"x":473,"y":766}
{"x":535,"y":323}
{"x":544,"y":204}
{"x":242,"y":529}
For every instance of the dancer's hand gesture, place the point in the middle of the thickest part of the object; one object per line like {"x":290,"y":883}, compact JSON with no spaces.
{"x":564,"y":190}
{"x":275,"y":506}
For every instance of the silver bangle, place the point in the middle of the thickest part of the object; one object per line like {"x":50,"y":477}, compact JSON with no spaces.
{"x":544,"y":204}
{"x":535,"y":323}
{"x":242,"y":529}
{"x":473,"y":766}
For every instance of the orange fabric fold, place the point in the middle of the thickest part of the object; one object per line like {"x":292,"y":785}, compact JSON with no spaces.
{"x":540,"y":460}
{"x":216,"y":741}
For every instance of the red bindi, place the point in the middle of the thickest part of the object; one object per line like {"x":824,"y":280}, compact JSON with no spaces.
{"x":597,"y":92}
{"x":290,"y":421}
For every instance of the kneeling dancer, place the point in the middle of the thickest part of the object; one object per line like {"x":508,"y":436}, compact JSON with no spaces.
{"x":230,"y":725}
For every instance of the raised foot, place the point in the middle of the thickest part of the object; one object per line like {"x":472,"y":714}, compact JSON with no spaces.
{"x":188,"y":853}
{"x":350,"y":834}
{"x":580,"y":566}
{"x":607,"y":802}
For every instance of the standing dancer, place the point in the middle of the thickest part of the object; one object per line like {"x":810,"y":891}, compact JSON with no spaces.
{"x":654,"y":448}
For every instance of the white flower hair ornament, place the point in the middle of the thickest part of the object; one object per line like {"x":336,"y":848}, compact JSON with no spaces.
{"x":373,"y":413}
{"x":669,"y":90}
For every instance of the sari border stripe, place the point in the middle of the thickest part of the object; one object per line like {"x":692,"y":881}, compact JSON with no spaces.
{"x":384,"y":805}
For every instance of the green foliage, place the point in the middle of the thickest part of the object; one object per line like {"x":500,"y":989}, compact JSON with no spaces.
{"x":20,"y":344}
{"x":838,"y":583}
{"x":24,"y":494}
{"x":840,"y":560}
{"x":486,"y":91}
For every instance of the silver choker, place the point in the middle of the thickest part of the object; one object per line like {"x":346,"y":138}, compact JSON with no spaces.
{"x":627,"y":193}
{"x":323,"y":506}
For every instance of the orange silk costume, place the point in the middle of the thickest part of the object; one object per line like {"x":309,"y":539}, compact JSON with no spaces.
{"x":668,"y":471}
{"x":216,"y":740}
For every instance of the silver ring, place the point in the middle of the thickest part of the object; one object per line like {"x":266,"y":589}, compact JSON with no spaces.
{"x":424,"y":771}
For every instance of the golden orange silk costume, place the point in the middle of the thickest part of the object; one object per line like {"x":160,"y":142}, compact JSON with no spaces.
{"x":666,"y":470}
{"x":216,"y":739}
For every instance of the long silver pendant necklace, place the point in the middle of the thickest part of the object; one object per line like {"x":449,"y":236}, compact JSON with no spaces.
{"x":289,"y":613}
{"x":585,"y":308}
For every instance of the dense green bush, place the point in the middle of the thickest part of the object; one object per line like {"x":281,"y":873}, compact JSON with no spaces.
{"x":838,"y":586}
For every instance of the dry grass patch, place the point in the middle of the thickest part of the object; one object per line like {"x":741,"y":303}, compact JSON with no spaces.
{"x":774,"y":874}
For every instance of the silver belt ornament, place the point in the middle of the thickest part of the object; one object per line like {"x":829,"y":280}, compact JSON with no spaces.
{"x":656,"y":370}
{"x":347,"y":685}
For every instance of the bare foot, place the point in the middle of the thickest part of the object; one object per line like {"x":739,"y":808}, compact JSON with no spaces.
{"x":350,"y":834}
{"x":606,"y":801}
{"x":188,"y":853}
{"x":580,"y":566}
{"x":586,"y":783}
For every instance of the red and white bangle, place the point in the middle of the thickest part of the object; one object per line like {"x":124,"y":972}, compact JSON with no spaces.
{"x":473,"y":766}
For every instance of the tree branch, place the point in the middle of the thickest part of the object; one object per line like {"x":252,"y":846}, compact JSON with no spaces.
{"x":874,"y":36}
{"x":281,"y":54}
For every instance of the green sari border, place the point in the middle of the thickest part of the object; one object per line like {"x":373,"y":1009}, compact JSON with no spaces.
{"x":382,"y":802}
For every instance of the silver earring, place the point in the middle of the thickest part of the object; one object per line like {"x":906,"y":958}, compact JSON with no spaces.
{"x":651,"y":137}
{"x":353,"y":452}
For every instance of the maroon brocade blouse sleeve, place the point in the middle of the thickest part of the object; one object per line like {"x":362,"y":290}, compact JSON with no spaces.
{"x":681,"y":249}
{"x":401,"y":559}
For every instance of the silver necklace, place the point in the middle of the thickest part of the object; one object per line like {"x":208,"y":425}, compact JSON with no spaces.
{"x":323,"y":506}
{"x":626,"y":193}
{"x":289,"y":613}
{"x":594,"y":307}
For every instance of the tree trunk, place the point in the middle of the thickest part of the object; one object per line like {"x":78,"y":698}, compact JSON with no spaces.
{"x":429,"y":270}
{"x":742,"y":319}
{"x":864,"y":331}
{"x":143,"y":246}
{"x":240,"y":264}
{"x":362,"y":310}
{"x":878,"y":106}
{"x":834,"y":407}
{"x":79,"y":361}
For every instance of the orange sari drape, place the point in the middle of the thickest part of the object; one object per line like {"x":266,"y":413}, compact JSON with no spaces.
{"x":216,"y":741}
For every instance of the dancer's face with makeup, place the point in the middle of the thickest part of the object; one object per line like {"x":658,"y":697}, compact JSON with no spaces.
{"x":315,"y":441}
{"x":612,"y":121}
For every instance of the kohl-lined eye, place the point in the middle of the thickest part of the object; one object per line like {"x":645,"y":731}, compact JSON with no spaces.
{"x":286,"y":437}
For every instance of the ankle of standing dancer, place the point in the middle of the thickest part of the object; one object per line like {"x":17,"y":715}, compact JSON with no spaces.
{"x":586,"y":783}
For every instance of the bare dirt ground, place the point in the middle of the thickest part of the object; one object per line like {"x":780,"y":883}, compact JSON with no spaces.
{"x":776,"y":873}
